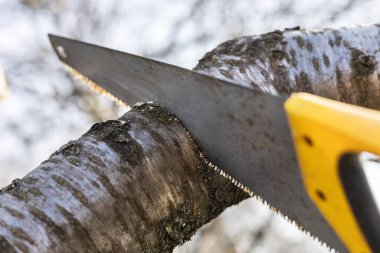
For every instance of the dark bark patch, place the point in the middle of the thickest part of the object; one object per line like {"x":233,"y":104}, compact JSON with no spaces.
{"x":35,"y":191}
{"x":16,"y":190}
{"x":278,"y":55}
{"x":309,"y":46}
{"x":215,"y":185}
{"x":14,"y":212}
{"x":95,"y":184}
{"x":50,"y":225}
{"x":253,"y":84}
{"x":281,"y":79}
{"x":344,"y":95}
{"x":106,"y":182}
{"x":338,"y":38}
{"x":296,"y":28}
{"x":326,"y":60}
{"x":157,"y":136}
{"x":300,"y":41}
{"x":271,"y":44}
{"x":331,"y":43}
{"x":51,"y":160}
{"x":96,"y":160}
{"x":81,"y":235}
{"x":21,"y":246}
{"x":293,"y":57}
{"x":315,"y":62}
{"x":71,"y":148}
{"x":30,"y":180}
{"x":346,"y":44}
{"x":120,"y":217}
{"x":363,"y":65}
{"x":303,"y":83}
{"x":15,"y":183}
{"x":226,"y":73}
{"x":73,"y":190}
{"x":115,"y":134}
{"x":157,"y":113}
{"x":18,"y":233}
{"x":5,"y":246}
{"x":234,"y":63}
{"x":21,"y":234}
{"x":256,"y":49}
{"x":46,"y":167}
{"x":73,"y":161}
{"x":177,"y":228}
{"x":95,"y":127}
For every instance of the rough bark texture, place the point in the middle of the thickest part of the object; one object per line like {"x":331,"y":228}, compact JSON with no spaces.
{"x":339,"y":64}
{"x":137,"y":184}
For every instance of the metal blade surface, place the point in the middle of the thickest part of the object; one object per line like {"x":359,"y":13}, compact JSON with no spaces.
{"x":243,"y":131}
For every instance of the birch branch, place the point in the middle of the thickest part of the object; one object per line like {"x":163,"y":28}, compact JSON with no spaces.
{"x":338,"y":64}
{"x":137,"y":184}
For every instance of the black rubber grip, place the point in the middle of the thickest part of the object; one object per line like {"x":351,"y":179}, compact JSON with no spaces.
{"x":361,"y":199}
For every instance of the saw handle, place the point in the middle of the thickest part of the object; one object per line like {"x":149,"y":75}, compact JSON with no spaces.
{"x":361,"y":200}
{"x":328,"y":136}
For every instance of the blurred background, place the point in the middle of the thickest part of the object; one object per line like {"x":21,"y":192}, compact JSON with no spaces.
{"x":45,"y":107}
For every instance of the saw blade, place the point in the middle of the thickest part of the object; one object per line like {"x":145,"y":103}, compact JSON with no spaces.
{"x":242,"y":131}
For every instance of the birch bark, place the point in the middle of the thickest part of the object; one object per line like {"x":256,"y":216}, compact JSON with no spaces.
{"x":338,"y":64}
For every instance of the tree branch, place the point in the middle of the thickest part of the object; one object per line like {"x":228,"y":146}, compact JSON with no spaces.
{"x":338,"y":64}
{"x":136,"y":184}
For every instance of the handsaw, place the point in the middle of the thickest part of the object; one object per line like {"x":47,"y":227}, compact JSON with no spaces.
{"x":292,"y":152}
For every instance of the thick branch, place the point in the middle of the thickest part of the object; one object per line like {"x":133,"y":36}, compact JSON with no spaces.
{"x":339,"y":64}
{"x":136,"y":184}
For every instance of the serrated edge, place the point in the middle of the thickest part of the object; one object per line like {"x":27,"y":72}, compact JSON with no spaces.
{"x":97,"y":88}
{"x":265,"y":203}
{"x":258,"y":197}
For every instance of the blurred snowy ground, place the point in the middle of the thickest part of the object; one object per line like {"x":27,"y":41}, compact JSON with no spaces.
{"x":45,"y":108}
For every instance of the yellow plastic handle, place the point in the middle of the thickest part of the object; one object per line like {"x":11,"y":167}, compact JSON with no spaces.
{"x":323,"y":130}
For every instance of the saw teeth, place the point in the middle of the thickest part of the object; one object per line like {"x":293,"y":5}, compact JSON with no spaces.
{"x":257,"y":197}
{"x":102,"y":91}
{"x":294,"y":223}
{"x":93,"y":85}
